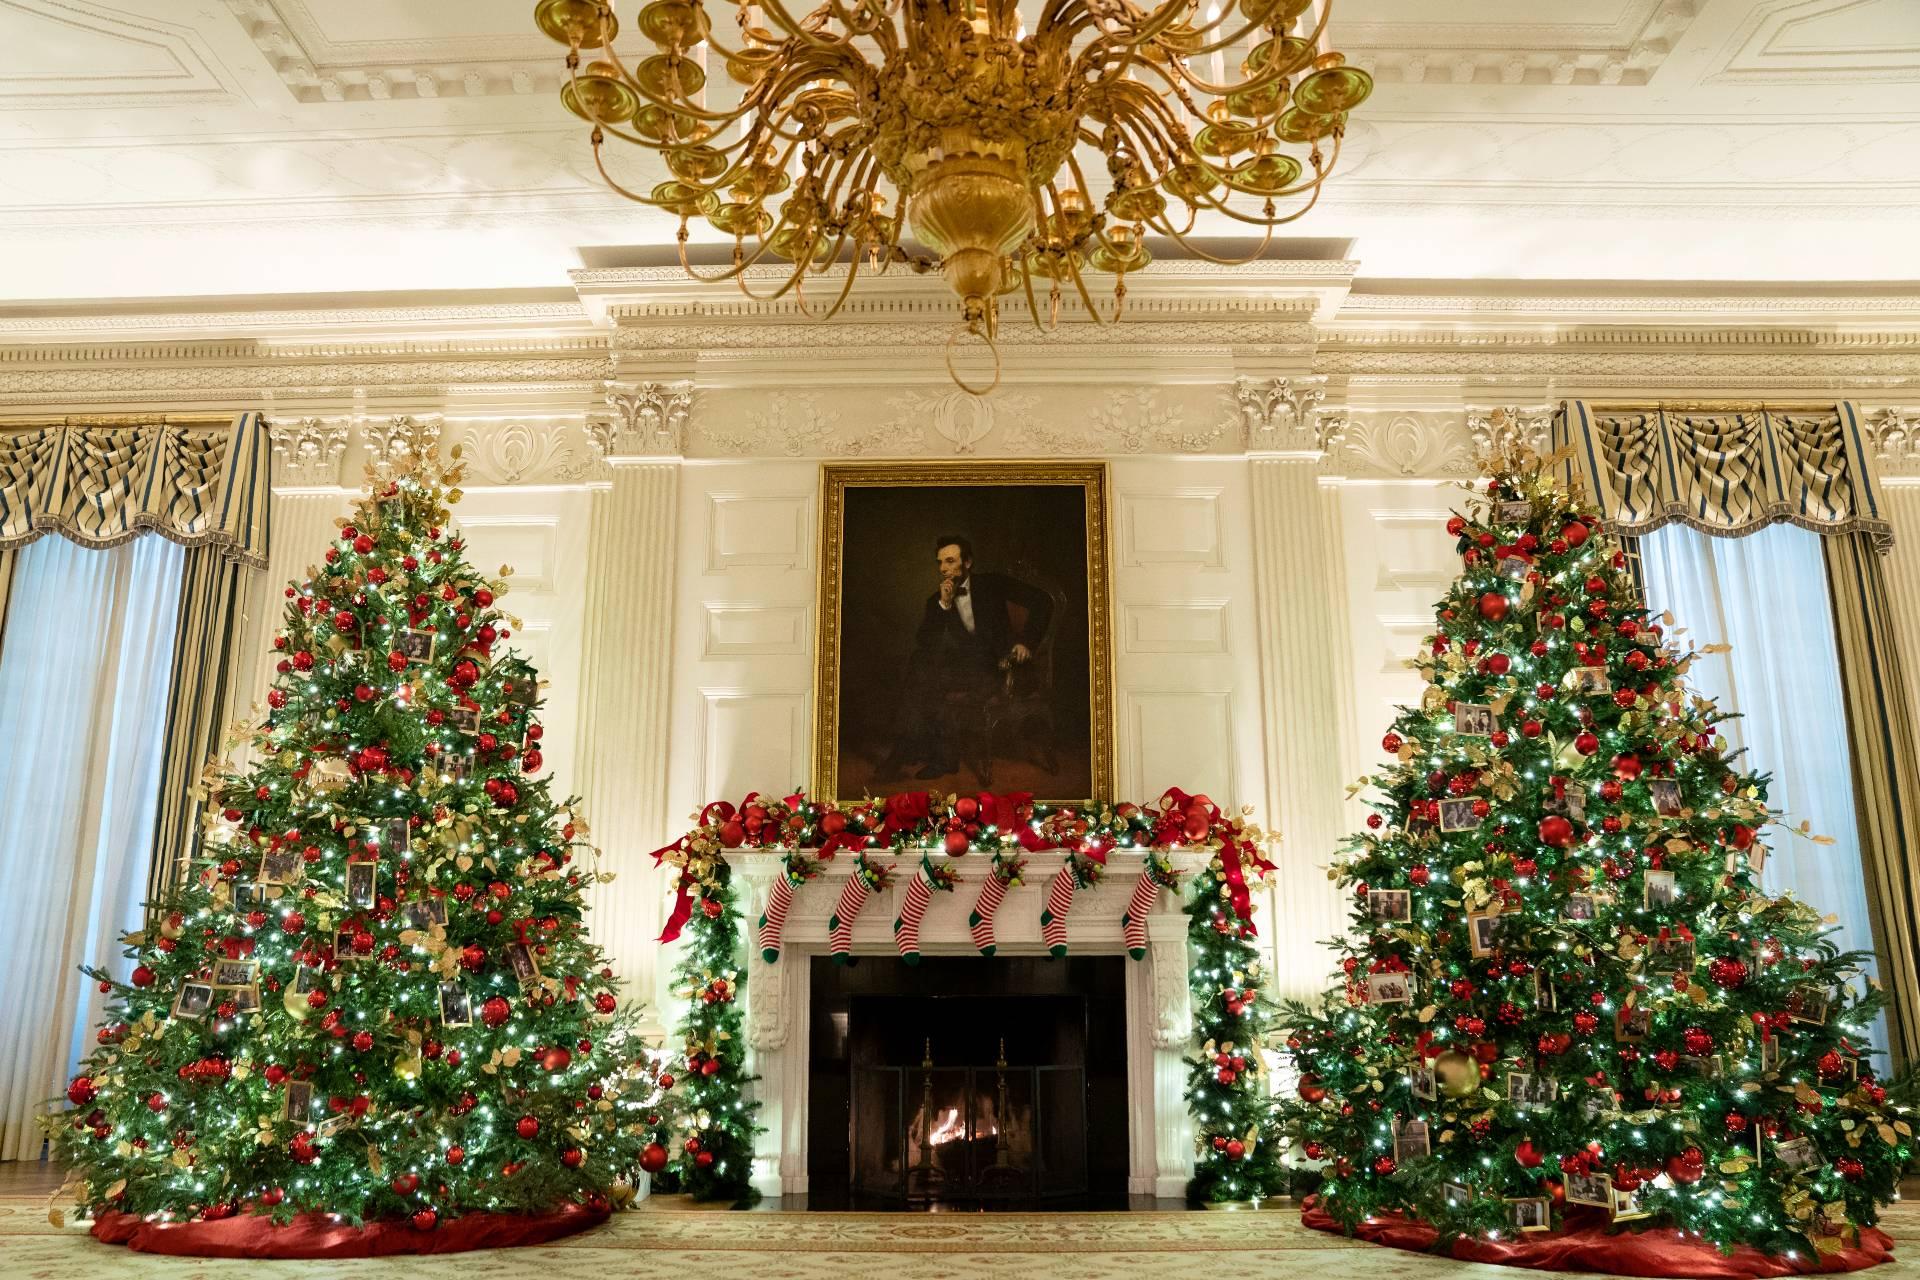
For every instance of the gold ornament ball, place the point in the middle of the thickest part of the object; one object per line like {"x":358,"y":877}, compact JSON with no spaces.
{"x":295,"y":1003}
{"x":1457,"y":1073}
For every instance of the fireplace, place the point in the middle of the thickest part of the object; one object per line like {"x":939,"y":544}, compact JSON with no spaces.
{"x":1123,"y":1025}
{"x":965,"y":1083}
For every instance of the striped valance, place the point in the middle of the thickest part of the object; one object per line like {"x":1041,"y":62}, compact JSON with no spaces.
{"x":198,"y":482}
{"x":1724,"y":471}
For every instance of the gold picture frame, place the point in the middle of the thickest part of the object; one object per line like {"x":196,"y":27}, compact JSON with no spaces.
{"x":843,"y":482}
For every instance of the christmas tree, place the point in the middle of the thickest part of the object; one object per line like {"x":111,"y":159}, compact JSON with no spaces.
{"x":1237,"y":1147}
{"x":372,"y":993}
{"x":1563,"y":985}
{"x":706,"y":1102}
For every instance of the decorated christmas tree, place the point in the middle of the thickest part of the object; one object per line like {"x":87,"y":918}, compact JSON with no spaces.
{"x":372,"y":993}
{"x":1238,"y":1152}
{"x":1566,"y":999}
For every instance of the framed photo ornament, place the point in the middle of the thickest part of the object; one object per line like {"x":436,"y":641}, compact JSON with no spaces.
{"x":965,"y":630}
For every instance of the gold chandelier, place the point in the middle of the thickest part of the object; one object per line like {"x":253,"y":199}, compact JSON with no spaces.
{"x":956,"y":115}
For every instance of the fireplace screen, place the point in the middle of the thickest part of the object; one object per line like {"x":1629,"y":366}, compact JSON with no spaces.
{"x":991,"y":1136}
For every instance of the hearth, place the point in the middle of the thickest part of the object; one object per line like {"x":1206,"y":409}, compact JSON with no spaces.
{"x":1125,"y":1025}
{"x":964,"y":1083}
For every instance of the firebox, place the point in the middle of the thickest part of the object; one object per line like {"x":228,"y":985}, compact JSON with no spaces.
{"x":968,"y":1084}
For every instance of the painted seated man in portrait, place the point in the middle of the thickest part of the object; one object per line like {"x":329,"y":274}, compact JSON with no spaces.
{"x":965,"y":643}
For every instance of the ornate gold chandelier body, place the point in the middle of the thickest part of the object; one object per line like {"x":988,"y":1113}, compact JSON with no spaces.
{"x":956,"y":114}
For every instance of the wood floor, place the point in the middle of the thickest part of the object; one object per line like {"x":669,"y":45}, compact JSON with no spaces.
{"x":665,"y":1238}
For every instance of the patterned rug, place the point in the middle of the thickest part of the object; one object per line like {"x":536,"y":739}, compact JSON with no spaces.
{"x":669,"y":1240}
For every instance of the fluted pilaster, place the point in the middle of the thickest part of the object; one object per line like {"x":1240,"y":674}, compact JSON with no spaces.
{"x":1305,"y":669}
{"x":626,"y":668}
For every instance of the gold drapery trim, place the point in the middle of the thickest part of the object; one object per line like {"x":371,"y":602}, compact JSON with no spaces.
{"x":198,"y":480}
{"x":1726,"y":468}
{"x":1886,"y":776}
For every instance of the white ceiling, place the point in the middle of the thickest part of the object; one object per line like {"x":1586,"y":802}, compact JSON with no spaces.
{"x":157,"y":148}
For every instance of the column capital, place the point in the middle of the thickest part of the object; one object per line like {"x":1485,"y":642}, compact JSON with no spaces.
{"x":1500,"y":430}
{"x":309,"y":450}
{"x":1284,"y":416}
{"x":644,"y":421}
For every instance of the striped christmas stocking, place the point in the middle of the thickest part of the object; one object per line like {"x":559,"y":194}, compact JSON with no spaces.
{"x":865,"y":881}
{"x":1053,"y":920}
{"x":1133,"y":925}
{"x":913,"y":907}
{"x":992,"y":893}
{"x":773,"y":921}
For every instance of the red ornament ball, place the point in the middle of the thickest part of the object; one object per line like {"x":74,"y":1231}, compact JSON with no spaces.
{"x":572,"y":1157}
{"x":1575,"y":534}
{"x":425,"y":1220}
{"x":1527,"y":1155}
{"x":495,"y":1011}
{"x":556,"y":1060}
{"x":1586,"y":743}
{"x":1556,"y":831}
{"x":143,"y":976}
{"x":1727,"y":973}
{"x":1493,"y":606}
{"x":456,"y":1154}
{"x":653,"y":1157}
{"x":81,"y":1091}
{"x":704,"y":1159}
{"x":528,"y":1127}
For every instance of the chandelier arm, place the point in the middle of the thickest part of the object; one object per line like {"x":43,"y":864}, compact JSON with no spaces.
{"x":792,"y":283}
{"x":1226,"y":210}
{"x":620,"y":189}
{"x":1266,"y":241}
{"x":684,"y":106}
{"x":1165,"y":224}
{"x":1033,"y":305}
{"x":796,"y":30}
{"x":1224,"y":42}
{"x":1321,"y":173}
{"x":1080,"y":287}
{"x":1259,"y":80}
{"x":846,"y":287}
{"x":1153,"y":144}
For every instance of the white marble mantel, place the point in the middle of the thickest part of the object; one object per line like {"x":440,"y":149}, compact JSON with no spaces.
{"x":1159,"y":1019}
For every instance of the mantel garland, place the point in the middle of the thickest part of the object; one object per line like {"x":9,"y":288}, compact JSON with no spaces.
{"x":1237,"y":1160}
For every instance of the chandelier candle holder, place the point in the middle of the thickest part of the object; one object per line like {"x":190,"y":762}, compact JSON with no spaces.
{"x":965,"y":124}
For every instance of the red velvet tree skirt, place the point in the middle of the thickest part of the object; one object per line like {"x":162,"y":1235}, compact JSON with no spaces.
{"x":315,"y":1235}
{"x":1588,"y":1245}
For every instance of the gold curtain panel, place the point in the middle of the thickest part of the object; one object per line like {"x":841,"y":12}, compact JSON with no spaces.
{"x":1724,"y":471}
{"x":200,"y":482}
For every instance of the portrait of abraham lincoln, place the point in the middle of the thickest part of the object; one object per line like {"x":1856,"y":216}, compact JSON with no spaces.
{"x":964,"y":638}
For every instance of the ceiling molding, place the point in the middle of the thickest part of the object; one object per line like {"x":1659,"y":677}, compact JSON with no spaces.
{"x":1624,"y":52}
{"x":1759,"y":50}
{"x":169,"y":64}
{"x":459,"y":63}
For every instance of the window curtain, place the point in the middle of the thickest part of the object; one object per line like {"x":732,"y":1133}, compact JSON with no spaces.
{"x":1886,"y":774}
{"x":203,"y":483}
{"x":1731,"y":470}
{"x":1766,"y":596}
{"x":83,"y":683}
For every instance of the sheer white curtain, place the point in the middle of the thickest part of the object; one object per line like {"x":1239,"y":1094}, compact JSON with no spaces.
{"x":83,"y":702}
{"x":1766,"y":595}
